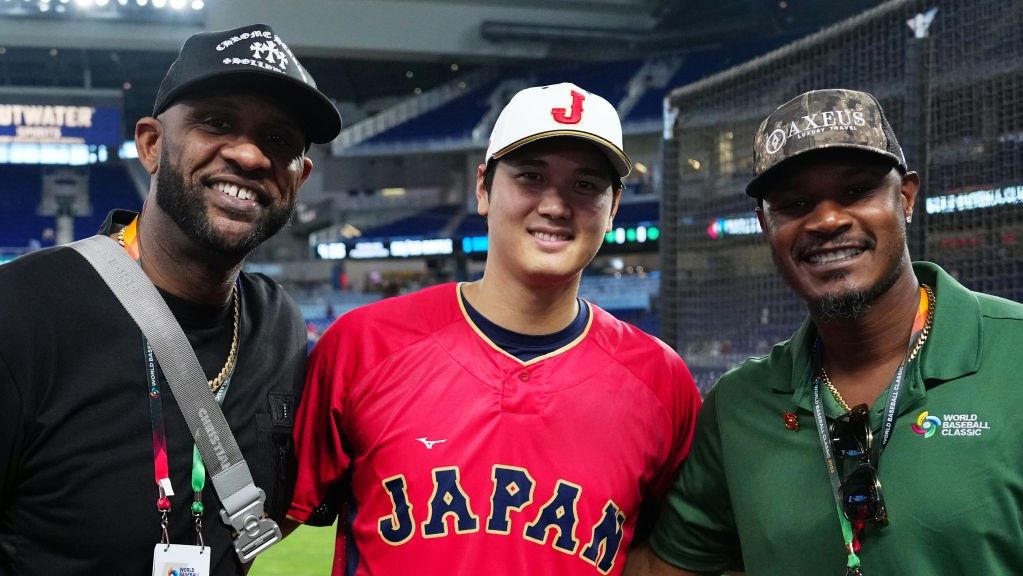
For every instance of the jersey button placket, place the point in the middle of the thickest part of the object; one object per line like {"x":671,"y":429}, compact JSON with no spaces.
{"x":520,"y":393}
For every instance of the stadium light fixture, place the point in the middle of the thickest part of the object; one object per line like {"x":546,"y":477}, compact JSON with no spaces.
{"x":139,"y":10}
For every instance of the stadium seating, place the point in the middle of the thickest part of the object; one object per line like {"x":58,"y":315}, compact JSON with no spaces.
{"x":21,"y":193}
{"x":430,"y":222}
{"x":471,"y":225}
{"x":109,"y":188}
{"x":454,"y":120}
{"x":608,"y":79}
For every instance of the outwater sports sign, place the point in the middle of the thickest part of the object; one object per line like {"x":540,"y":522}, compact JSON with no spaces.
{"x":47,"y":117}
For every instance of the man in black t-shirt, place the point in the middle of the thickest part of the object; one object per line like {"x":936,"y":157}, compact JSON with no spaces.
{"x":92,"y":443}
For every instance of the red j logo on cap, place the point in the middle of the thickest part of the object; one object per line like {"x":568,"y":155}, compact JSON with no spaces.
{"x":576,"y":113}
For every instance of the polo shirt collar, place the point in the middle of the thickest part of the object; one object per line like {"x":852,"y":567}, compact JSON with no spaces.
{"x":799,"y":357}
{"x":955,"y":334}
{"x":954,"y":350}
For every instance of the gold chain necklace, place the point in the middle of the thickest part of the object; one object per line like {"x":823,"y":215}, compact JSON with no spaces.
{"x":916,"y":349}
{"x":232,"y":355}
{"x":834,"y":391}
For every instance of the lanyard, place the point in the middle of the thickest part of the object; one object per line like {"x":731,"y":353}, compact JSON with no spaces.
{"x":894,"y":390}
{"x":160,"y":442}
{"x":160,"y":462}
{"x":162,"y":469}
{"x":241,"y":500}
{"x":131,"y":239}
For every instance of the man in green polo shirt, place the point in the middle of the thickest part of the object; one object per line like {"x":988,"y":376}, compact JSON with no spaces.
{"x":882,"y":438}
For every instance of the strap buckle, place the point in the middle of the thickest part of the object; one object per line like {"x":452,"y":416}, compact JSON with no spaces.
{"x":253,"y":532}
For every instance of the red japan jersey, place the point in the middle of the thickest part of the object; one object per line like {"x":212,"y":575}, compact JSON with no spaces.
{"x":458,"y":458}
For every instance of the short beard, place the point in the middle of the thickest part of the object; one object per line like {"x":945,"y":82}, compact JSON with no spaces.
{"x":850,"y":305}
{"x":188,"y":208}
{"x":840,"y":306}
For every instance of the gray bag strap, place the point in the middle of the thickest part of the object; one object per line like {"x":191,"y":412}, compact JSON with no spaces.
{"x":242,"y":500}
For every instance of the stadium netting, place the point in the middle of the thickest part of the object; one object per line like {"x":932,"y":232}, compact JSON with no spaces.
{"x":955,"y":100}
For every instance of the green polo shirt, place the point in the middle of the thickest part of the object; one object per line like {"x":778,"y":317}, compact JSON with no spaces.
{"x":755,"y":495}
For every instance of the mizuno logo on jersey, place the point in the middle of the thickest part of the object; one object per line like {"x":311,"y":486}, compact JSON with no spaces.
{"x":552,"y":523}
{"x":429,"y":443}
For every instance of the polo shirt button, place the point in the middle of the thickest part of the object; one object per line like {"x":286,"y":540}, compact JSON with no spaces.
{"x":524,"y":376}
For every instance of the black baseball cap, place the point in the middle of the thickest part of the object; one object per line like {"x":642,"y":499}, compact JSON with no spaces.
{"x":821,"y":119}
{"x":250,"y":57}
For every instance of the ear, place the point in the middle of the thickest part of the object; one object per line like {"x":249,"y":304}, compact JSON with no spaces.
{"x":910,"y":187}
{"x":148,"y":134}
{"x":615,"y":202}
{"x":761,"y":219}
{"x":482,"y":198}
{"x":307,"y":169}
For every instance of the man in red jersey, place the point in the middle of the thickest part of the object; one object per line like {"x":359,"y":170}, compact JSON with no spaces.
{"x":503,"y":426}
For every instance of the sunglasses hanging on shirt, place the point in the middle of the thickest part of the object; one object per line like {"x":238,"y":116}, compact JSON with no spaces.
{"x":852,"y":440}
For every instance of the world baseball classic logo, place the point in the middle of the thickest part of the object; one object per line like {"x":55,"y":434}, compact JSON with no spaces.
{"x":926,"y":425}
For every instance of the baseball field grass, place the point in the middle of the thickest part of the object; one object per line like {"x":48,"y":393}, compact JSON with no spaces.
{"x":308,"y":551}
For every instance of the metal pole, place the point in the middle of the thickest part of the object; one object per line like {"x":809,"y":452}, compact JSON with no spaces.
{"x":916,"y":123}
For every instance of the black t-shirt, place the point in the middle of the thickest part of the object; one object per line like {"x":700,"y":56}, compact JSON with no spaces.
{"x":77,"y":486}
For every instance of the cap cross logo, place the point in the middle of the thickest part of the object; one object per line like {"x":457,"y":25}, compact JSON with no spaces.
{"x":573,"y":116}
{"x":273,"y":55}
{"x":269,"y":52}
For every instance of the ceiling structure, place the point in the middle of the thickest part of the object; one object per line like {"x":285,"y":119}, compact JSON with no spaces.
{"x":365,"y":51}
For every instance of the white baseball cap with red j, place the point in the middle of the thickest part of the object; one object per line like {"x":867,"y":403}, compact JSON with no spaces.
{"x":556,"y":111}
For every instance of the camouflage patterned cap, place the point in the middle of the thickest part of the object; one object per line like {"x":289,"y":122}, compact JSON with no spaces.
{"x":822,"y":119}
